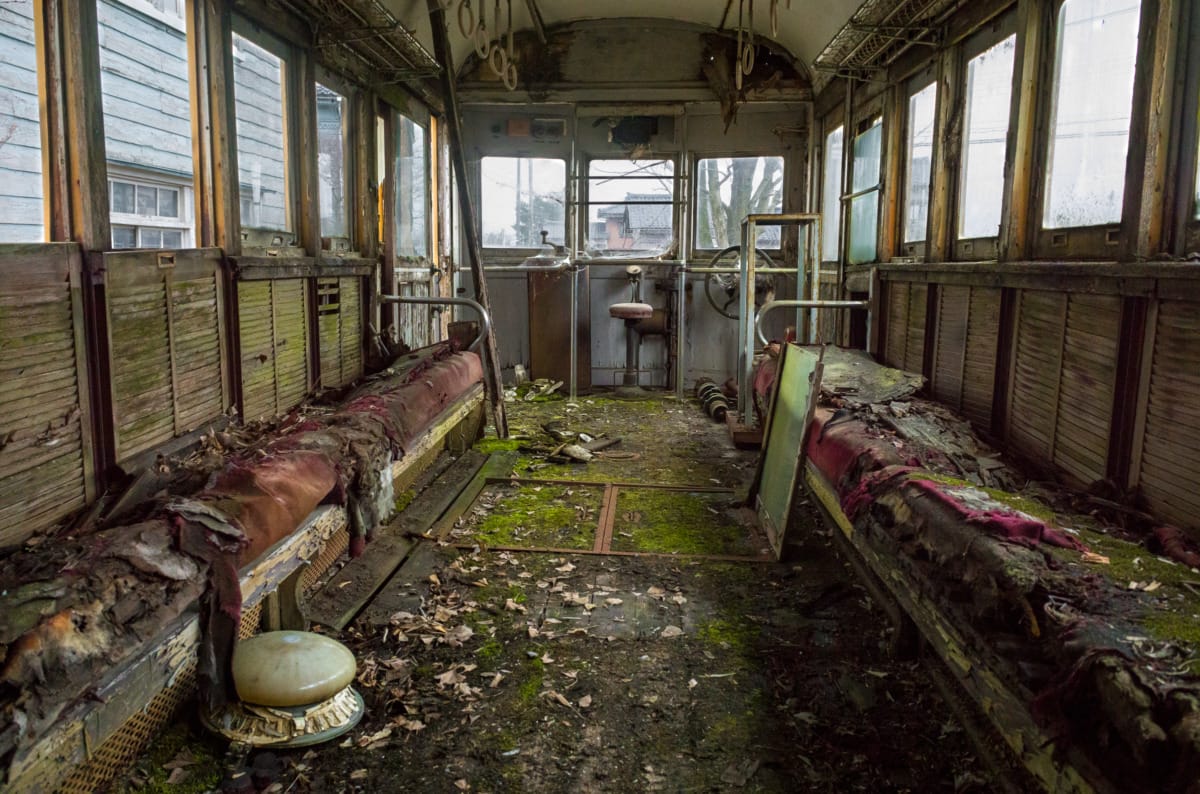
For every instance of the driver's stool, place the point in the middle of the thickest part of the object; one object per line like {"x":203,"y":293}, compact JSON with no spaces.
{"x":632,"y":314}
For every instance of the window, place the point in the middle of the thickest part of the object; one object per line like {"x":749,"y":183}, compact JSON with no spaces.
{"x":831,"y":196}
{"x":521,"y":196}
{"x":21,"y":204}
{"x":258,"y":110}
{"x":147,"y":126}
{"x":989,"y":92}
{"x":864,"y":194}
{"x":149,"y":214}
{"x":630,"y":206}
{"x":331,"y":162}
{"x":921,"y":111}
{"x":1097,"y":49}
{"x":730,"y":188}
{"x":412,"y":178}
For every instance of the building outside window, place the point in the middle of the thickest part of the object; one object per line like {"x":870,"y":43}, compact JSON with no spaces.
{"x":149,"y":214}
{"x":730,"y":188}
{"x":630,"y":207}
{"x":21,"y":203}
{"x":521,"y":196}
{"x":922,"y":111}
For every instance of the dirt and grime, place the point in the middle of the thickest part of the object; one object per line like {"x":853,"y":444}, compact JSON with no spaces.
{"x":517,"y":671}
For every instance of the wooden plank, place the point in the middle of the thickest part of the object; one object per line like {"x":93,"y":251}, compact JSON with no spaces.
{"x":498,"y":465}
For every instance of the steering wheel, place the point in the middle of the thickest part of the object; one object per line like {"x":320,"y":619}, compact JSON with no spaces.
{"x":764,"y":285}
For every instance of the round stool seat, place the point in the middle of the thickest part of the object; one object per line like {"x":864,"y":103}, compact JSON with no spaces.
{"x":631,"y":311}
{"x":291,"y":668}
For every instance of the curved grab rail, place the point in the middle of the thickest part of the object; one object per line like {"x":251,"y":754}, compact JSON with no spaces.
{"x":801,"y":304}
{"x":557,"y":266}
{"x":485,"y":319}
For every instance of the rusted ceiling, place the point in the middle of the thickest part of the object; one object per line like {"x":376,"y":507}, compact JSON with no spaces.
{"x":804,"y":28}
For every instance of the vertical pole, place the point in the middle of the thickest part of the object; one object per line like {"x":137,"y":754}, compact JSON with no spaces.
{"x":746,"y":262}
{"x":441,"y":48}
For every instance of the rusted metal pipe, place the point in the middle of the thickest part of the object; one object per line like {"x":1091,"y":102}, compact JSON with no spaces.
{"x":485,"y":319}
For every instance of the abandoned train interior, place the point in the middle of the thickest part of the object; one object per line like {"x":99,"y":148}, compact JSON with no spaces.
{"x":764,"y":395}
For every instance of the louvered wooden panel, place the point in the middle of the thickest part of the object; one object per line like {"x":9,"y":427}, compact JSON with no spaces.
{"x":351,"y":327}
{"x":329,"y":331}
{"x":165,"y":329}
{"x":897,"y":324}
{"x":45,"y":443}
{"x":1168,"y":477}
{"x":256,"y":335}
{"x":953,"y":313}
{"x":291,"y":342}
{"x":1041,"y":321}
{"x":914,"y":345}
{"x":979,"y":364}
{"x":1089,"y":365}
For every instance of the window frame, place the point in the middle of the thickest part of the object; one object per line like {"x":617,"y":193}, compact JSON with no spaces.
{"x":584,"y":179}
{"x":693,"y":197}
{"x":422,"y":120}
{"x":923,"y":80}
{"x":346,"y":90}
{"x":1187,"y":203}
{"x":285,"y":52}
{"x":982,"y":248}
{"x":554,"y":238}
{"x":866,"y":118}
{"x":1104,"y":241}
{"x":835,"y":119}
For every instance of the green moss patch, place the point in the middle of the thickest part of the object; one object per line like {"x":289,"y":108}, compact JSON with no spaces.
{"x":678,"y":522}
{"x":537,"y":516}
{"x":180,"y":745}
{"x":490,"y":445}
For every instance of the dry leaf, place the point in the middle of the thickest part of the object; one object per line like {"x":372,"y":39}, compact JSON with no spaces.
{"x":1150,"y":588}
{"x":693,"y":683}
{"x":656,"y":592}
{"x":434,"y":580}
{"x":585,"y":701}
{"x":612,"y":602}
{"x":1093,"y":557}
{"x":513,"y":606}
{"x":670,"y":632}
{"x":177,"y":776}
{"x":358,"y":774}
{"x":461,"y":784}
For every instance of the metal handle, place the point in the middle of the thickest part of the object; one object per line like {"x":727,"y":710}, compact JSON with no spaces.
{"x":558,"y":266}
{"x":485,"y":319}
{"x":805,"y":304}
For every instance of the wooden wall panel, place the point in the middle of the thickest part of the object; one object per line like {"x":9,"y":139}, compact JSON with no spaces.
{"x":339,"y":320}
{"x":1169,"y":480}
{"x":352,"y":329}
{"x":166,"y":323}
{"x":1037,"y":362}
{"x":897,"y":324}
{"x":274,"y":339}
{"x":964,"y":361}
{"x":914,"y":345}
{"x":45,"y":444}
{"x":1089,"y":369}
{"x":950,"y":344}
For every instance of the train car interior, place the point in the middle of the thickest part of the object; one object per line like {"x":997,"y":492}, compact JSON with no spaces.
{"x":720,"y":395}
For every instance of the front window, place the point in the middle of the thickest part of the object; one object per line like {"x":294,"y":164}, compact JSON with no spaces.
{"x":831,"y":196}
{"x":1093,"y":101}
{"x":989,"y":93}
{"x":147,"y":127}
{"x":921,"y":111}
{"x":258,"y":109}
{"x":631,"y":207}
{"x":331,"y":161}
{"x":864,"y":193}
{"x":149,"y":214}
{"x":21,"y":205}
{"x":730,"y":188}
{"x":521,"y":196}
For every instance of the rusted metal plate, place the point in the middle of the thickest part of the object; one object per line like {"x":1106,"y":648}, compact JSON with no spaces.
{"x":550,"y":328}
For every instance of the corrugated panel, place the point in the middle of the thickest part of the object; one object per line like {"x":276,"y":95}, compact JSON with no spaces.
{"x":1169,"y":480}
{"x":165,"y":331}
{"x":979,"y":364}
{"x":256,"y":336}
{"x":897,"y":324}
{"x":1041,"y":322}
{"x":950,"y":348}
{"x":291,"y":342}
{"x":1089,"y":366}
{"x":44,"y":445}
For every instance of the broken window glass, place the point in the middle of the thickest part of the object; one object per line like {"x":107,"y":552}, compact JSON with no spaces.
{"x":864,"y":193}
{"x":831,"y":196}
{"x":258,"y":109}
{"x":21,"y":205}
{"x":331,"y":161}
{"x":730,"y":188}
{"x":521,"y":196}
{"x":921,"y":112}
{"x":147,"y":125}
{"x":630,"y":207}
{"x":989,"y":93}
{"x":1093,"y":99}
{"x":412,"y":176}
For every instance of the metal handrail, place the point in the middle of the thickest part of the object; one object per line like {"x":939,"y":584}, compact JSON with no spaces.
{"x":485,"y":319}
{"x":558,"y":266}
{"x":801,"y":304}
